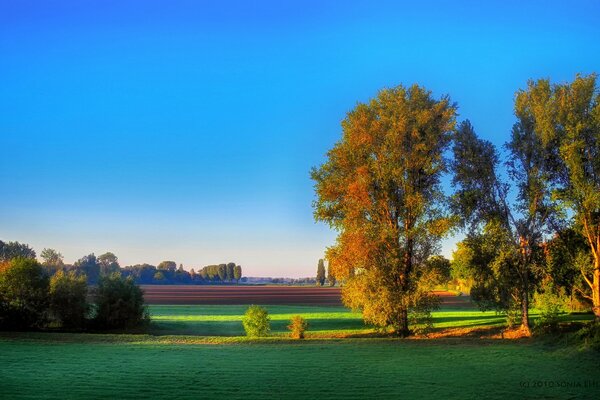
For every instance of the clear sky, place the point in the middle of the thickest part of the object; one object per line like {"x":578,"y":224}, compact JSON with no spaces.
{"x":185,"y":130}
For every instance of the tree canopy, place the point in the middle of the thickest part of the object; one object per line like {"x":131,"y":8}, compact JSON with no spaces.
{"x":380,"y":189}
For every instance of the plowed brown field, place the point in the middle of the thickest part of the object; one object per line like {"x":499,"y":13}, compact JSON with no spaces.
{"x":300,"y":295}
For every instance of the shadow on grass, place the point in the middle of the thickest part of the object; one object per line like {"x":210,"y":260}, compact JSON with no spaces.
{"x":235,"y":327}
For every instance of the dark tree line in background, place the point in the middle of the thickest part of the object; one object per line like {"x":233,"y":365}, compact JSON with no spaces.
{"x":94,"y":267}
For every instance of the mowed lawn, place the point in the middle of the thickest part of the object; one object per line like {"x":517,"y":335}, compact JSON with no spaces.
{"x":344,"y":368}
{"x":197,"y":352}
{"x":324,"y":321}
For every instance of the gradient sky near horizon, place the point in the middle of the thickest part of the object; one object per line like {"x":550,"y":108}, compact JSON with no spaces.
{"x":185,"y":130}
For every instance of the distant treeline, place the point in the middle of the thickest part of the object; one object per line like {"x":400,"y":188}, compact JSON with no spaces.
{"x":167,"y":273}
{"x":94,"y":267}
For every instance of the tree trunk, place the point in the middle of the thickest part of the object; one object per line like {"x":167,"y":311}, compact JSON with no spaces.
{"x":596,"y":289}
{"x":525,"y":304}
{"x":403,"y":330}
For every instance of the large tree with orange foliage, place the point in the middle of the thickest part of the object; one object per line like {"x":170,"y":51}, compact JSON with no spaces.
{"x":380,"y":189}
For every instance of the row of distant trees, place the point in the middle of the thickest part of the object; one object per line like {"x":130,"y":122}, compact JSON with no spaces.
{"x":94,"y":267}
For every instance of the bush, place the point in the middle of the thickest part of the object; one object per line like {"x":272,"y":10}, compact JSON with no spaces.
{"x":590,"y":335}
{"x":119,"y":304}
{"x":550,"y":303}
{"x":298,"y":327}
{"x":23,"y":295}
{"x":68,"y":299}
{"x":256,"y":321}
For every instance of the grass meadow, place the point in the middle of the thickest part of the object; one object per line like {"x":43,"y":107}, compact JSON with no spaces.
{"x":198,"y":352}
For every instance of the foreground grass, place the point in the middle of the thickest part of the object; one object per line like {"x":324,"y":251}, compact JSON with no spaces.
{"x":136,"y":366}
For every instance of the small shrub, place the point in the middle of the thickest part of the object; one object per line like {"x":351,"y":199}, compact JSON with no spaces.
{"x":590,"y":335}
{"x":298,"y":327}
{"x":256,"y":321}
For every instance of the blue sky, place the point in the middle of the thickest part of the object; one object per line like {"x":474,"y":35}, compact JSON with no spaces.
{"x":186,"y":130}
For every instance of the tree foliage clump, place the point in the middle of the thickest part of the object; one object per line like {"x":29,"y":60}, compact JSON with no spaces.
{"x":119,"y":304}
{"x":12,"y":250}
{"x":68,"y":299}
{"x":256,"y":321}
{"x":23,"y":294}
{"x":380,"y":189}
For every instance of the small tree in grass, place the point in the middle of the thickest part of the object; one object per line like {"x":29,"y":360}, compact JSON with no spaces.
{"x":256,"y":321}
{"x":320,"y":273}
{"x":298,"y":327}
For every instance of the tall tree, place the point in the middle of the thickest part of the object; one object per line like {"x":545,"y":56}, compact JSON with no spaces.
{"x":11,"y":250}
{"x":51,"y":258}
{"x":566,"y":119}
{"x":320,"y":272}
{"x":109,"y":263}
{"x":482,"y":202}
{"x":380,"y":189}
{"x":222,"y":272}
{"x":237,"y":273}
{"x":89,"y":266}
{"x":170,"y":266}
{"x":230,"y":271}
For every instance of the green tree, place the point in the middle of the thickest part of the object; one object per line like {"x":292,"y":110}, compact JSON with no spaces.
{"x":566,"y":119}
{"x":52,"y":258}
{"x":222,"y":272}
{"x":439,"y":266}
{"x":119,"y":303}
{"x":11,"y":250}
{"x":380,"y":189}
{"x":482,"y":258}
{"x":237,"y":273}
{"x":567,"y":254}
{"x":89,"y":266}
{"x":320,"y":272}
{"x":256,"y":321}
{"x":23,"y":294}
{"x":481,"y":200}
{"x":230,"y":271}
{"x":68,"y":299}
{"x":170,"y":266}
{"x":109,"y":263}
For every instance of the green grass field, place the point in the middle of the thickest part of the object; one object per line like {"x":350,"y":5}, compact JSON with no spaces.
{"x":195,"y":352}
{"x":349,"y":369}
{"x":219,"y":320}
